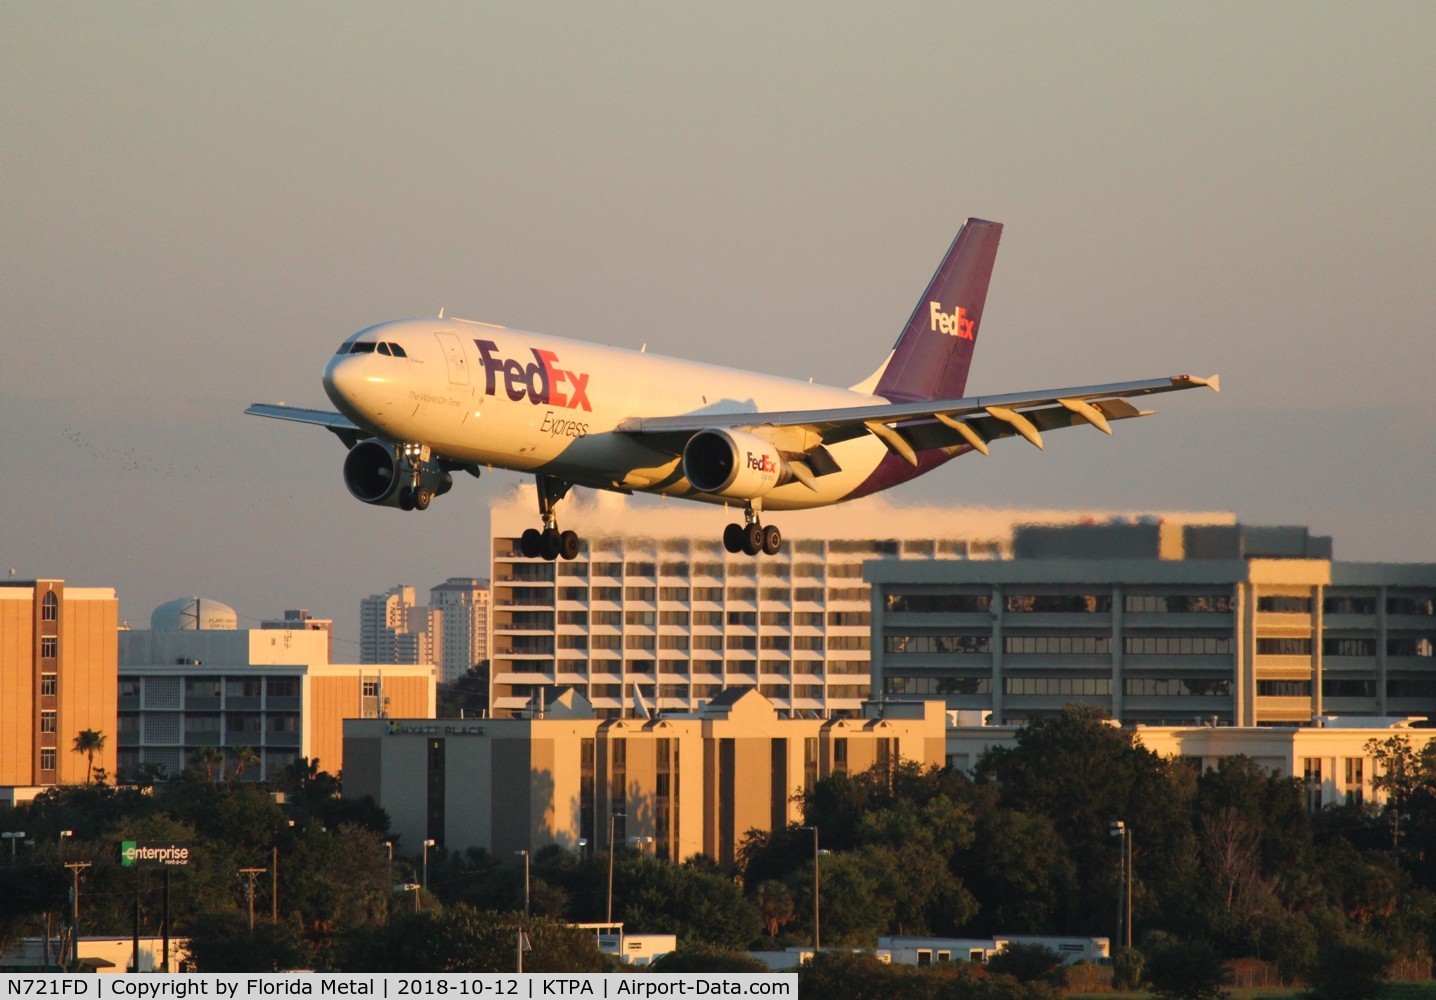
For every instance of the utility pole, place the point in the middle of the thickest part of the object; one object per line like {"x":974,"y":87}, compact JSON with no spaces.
{"x":252,"y":873}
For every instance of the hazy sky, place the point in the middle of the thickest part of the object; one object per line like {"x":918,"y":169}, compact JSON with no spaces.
{"x":202,"y":200}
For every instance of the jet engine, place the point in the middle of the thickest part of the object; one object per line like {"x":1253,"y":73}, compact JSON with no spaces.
{"x":380,"y":472}
{"x":733,"y":464}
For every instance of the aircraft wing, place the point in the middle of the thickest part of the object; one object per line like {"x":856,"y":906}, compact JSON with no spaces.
{"x":907,"y":428}
{"x":344,"y":428}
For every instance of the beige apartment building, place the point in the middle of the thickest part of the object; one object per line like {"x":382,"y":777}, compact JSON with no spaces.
{"x":57,"y":674}
{"x":678,"y":785}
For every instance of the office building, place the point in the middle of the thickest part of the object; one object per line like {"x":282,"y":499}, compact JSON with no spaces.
{"x":270,"y":690}
{"x":462,"y":604}
{"x":1232,"y":641}
{"x":676,"y":785}
{"x":655,"y":611}
{"x":57,"y":674}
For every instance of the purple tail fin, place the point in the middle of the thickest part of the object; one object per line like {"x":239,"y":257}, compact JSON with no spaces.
{"x":931,"y":358}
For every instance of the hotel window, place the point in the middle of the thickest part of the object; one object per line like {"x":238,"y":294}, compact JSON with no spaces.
{"x":1060,"y":603}
{"x":646,"y":594}
{"x":1421,"y":646}
{"x":850,"y":619}
{"x":950,"y":604}
{"x":673,"y":594}
{"x":47,"y":759}
{"x":1283,"y":647}
{"x":1284,"y":604}
{"x":1423,"y":604}
{"x":49,"y":612}
{"x":648,"y":618}
{"x":1081,"y":645}
{"x":371,"y":689}
{"x":49,"y":684}
{"x":47,"y":721}
{"x":1284,"y":689}
{"x":1177,"y":645}
{"x":1348,"y":647}
{"x":49,"y":647}
{"x":840,"y":754}
{"x":1339,"y":604}
{"x":848,"y":642}
{"x":1348,"y":689}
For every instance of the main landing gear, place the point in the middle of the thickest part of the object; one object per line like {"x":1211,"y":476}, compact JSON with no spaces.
{"x":550,"y":543}
{"x":751,"y":537}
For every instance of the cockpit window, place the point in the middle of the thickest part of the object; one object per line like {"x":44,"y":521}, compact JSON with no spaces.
{"x":362,"y":347}
{"x":384,"y":349}
{"x":397,"y":351}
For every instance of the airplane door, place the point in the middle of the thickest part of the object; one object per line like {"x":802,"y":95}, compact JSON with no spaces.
{"x":454,"y":355}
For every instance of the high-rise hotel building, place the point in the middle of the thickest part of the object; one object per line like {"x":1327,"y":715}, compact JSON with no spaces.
{"x":655,"y":614}
{"x":58,"y":656}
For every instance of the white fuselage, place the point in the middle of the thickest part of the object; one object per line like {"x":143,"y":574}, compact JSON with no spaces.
{"x":489,"y":396}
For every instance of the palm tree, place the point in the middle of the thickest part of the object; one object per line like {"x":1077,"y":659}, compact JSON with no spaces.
{"x":243,"y":757}
{"x":89,"y":742}
{"x":209,"y":758}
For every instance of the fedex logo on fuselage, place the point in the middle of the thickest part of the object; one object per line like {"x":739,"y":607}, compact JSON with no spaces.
{"x":542,"y":381}
{"x":762,"y":463}
{"x":954,"y":324}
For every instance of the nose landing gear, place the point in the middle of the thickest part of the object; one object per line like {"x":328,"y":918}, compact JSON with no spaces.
{"x":751,"y":536}
{"x":550,"y":543}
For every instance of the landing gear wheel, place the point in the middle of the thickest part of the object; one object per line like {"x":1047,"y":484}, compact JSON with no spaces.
{"x":568,"y":544}
{"x":733,"y":538}
{"x":422,"y":498}
{"x":753,"y":539}
{"x":549,"y":545}
{"x":406,"y":498}
{"x":529,"y":543}
{"x":772,"y":540}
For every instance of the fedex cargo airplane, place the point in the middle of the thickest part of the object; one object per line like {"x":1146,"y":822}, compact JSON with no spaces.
{"x":421,"y":399}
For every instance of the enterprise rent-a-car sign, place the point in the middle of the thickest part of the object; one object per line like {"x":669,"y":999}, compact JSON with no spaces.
{"x":137,"y":855}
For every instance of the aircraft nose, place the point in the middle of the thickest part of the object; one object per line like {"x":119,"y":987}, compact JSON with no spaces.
{"x":344,"y":378}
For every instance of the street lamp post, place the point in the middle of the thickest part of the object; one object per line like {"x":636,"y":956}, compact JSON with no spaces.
{"x":817,"y":887}
{"x":1121,"y":831}
{"x":427,"y":844}
{"x":611,"y":818}
{"x":526,"y":882}
{"x":76,"y":867}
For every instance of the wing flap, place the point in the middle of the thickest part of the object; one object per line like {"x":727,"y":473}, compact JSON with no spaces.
{"x":931,"y":423}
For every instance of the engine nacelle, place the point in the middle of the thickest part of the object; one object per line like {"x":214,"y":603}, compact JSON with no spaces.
{"x":733,"y":464}
{"x":375,"y":471}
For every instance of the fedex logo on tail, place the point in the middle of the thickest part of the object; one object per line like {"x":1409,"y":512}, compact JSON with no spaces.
{"x":542,"y":381}
{"x":953,"y":324}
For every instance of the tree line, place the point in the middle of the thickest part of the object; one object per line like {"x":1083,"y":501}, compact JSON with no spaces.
{"x":1227,"y":862}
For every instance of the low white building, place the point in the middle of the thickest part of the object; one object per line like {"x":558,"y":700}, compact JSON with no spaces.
{"x":1331,"y":756}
